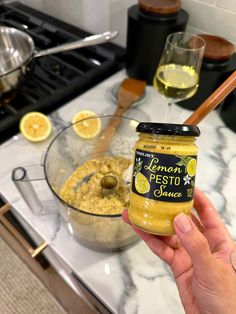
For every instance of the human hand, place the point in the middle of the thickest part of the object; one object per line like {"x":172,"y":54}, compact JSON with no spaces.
{"x":200,"y":262}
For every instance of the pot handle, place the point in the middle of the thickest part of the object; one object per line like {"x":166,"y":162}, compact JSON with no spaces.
{"x":23,"y":178}
{"x":87,"y":41}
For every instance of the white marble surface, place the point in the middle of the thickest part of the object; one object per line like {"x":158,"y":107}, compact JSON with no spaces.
{"x":135,"y":280}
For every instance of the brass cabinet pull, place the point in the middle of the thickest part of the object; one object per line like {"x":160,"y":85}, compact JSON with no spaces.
{"x":39,"y":249}
{"x":33,"y":252}
{"x":5,"y":208}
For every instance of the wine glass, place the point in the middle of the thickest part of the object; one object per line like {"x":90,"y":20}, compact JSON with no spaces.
{"x":177,"y":74}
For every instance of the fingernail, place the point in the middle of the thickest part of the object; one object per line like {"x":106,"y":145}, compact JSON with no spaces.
{"x":183,"y":223}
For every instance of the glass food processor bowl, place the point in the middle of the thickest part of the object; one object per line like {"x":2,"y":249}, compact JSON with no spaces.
{"x":66,"y":156}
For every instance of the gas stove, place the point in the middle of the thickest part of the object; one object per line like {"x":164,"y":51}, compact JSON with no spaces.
{"x":53,"y":80}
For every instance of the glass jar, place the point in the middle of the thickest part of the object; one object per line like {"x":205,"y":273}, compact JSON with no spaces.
{"x":163,"y":175}
{"x":219,"y":61}
{"x":148,"y":26}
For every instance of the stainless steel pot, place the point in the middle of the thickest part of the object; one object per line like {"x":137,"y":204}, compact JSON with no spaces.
{"x":17,"y":50}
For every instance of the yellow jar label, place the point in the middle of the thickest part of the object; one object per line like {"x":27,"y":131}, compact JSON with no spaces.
{"x":164,"y":177}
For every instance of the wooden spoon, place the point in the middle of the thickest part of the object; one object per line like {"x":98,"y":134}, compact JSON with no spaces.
{"x":129,"y":92}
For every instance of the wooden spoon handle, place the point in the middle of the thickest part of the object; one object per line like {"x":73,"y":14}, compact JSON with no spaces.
{"x":108,"y":133}
{"x":111,"y":128}
{"x":129,"y":91}
{"x":213,"y":100}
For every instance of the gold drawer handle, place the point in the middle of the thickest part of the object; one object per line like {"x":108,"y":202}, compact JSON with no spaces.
{"x":33,"y":252}
{"x":5,"y":208}
{"x":39,"y":249}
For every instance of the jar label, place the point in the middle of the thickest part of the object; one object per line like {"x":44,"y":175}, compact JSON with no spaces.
{"x":163,"y":177}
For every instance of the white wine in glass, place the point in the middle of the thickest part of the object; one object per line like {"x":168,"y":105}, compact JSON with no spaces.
{"x":177,"y":75}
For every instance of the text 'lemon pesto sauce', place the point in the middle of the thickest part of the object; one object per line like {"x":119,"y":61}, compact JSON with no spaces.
{"x":163,"y":175}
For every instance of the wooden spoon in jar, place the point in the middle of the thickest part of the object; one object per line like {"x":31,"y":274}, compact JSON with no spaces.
{"x":129,"y":92}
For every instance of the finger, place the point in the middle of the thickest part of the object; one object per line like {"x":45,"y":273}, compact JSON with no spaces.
{"x":125,"y":217}
{"x":210,"y":218}
{"x":160,"y":247}
{"x":197,"y":222}
{"x":157,"y":245}
{"x":171,"y":241}
{"x":206,"y":210}
{"x":194,"y":242}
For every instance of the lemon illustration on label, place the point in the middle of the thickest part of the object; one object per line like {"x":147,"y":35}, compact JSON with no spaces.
{"x":191,"y":167}
{"x":141,"y":183}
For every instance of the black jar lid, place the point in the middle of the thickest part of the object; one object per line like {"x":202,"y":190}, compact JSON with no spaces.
{"x":168,"y":129}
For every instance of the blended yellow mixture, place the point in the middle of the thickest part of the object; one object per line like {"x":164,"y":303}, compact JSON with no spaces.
{"x":155,"y":180}
{"x":83,"y":188}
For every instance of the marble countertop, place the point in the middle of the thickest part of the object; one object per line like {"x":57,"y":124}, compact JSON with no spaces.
{"x":134,"y":280}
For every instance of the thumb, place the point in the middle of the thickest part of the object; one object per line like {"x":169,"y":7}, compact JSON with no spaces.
{"x":194,"y":242}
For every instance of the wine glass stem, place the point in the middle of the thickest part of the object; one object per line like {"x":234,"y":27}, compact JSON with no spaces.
{"x":168,"y":112}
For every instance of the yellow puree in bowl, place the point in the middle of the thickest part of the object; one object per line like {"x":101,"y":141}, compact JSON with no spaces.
{"x":83,"y":188}
{"x":161,"y":180}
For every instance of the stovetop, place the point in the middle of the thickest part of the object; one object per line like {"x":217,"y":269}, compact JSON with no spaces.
{"x":53,"y":80}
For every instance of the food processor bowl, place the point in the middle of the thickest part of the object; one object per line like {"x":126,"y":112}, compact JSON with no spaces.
{"x":67,"y":152}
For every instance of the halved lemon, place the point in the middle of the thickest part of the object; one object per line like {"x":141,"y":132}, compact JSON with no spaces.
{"x":35,"y":126}
{"x":87,"y":128}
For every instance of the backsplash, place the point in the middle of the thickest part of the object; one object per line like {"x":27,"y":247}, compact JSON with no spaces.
{"x":206,"y":16}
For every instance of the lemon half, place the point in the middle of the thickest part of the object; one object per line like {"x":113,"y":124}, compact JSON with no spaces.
{"x":88,"y":128}
{"x":35,"y":126}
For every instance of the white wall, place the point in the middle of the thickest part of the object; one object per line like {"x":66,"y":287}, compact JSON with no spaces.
{"x":216,"y":17}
